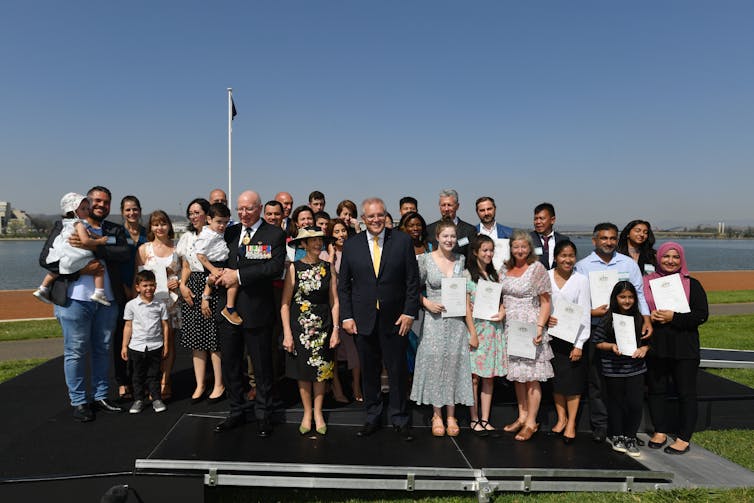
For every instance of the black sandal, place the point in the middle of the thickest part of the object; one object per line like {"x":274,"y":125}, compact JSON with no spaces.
{"x":479,"y":433}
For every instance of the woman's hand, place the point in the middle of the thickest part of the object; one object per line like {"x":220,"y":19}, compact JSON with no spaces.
{"x":206,"y":311}
{"x":616,"y":350}
{"x":575,"y":355}
{"x":640,"y":352}
{"x":433,"y":307}
{"x":334,"y":338}
{"x":552,"y":321}
{"x":474,"y":341}
{"x":188,"y":296}
{"x":538,"y":339}
{"x":499,"y":316}
{"x":662,"y":316}
{"x":288,"y":343}
{"x":173,"y":283}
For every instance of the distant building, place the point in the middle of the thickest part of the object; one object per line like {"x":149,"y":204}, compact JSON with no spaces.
{"x":13,"y":221}
{"x":5,"y":216}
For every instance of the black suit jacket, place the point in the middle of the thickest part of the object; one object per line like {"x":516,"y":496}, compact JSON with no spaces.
{"x":255,"y":300}
{"x":396,"y":287}
{"x":113,"y":255}
{"x":463,"y":230}
{"x":544,"y":259}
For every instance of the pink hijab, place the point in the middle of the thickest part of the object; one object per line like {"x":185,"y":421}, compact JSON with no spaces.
{"x":659,"y":272}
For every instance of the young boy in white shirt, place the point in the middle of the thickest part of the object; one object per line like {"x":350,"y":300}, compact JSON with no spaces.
{"x":145,"y":342}
{"x":213,"y":252}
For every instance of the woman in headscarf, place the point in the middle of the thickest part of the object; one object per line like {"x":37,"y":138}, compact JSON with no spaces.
{"x":675,"y":351}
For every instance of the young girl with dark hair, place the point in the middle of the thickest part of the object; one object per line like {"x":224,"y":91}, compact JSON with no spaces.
{"x":624,"y":374}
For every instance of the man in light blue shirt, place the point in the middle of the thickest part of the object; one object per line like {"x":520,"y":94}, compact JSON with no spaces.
{"x":604,"y":257}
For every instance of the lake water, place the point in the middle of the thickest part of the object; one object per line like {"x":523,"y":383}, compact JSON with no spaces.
{"x":19,"y":268}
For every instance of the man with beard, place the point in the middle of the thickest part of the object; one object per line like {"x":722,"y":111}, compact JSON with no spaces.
{"x":87,"y":325}
{"x":604,"y":257}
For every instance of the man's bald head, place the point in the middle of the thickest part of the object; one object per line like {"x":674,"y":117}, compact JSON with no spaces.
{"x":286,"y":200}
{"x":218,"y":196}
{"x":249,"y":208}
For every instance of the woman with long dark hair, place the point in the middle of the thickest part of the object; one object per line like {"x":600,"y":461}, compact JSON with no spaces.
{"x":637,"y":241}
{"x":486,"y":341}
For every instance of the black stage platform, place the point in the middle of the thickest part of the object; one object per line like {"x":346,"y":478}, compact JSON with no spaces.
{"x":46,"y":453}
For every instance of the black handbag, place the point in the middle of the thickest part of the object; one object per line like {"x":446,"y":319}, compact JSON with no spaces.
{"x":59,"y":291}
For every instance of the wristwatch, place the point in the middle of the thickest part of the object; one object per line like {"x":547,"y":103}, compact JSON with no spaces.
{"x":206,"y":297}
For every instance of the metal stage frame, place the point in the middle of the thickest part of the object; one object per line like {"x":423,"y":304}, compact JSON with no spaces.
{"x":484,"y":482}
{"x":726,"y":358}
{"x":259,"y":469}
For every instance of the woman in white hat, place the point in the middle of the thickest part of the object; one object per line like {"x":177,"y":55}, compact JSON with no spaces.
{"x":309,"y":306}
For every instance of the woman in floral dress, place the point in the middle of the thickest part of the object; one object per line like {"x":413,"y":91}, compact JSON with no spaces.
{"x":309,"y":306}
{"x":486,"y":341}
{"x":526,"y":297}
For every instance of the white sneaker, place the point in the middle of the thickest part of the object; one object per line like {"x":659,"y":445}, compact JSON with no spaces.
{"x":631,"y":448}
{"x":100,"y":298}
{"x":619,"y":444}
{"x":43,"y":295}
{"x":137,"y":407}
{"x":159,"y":406}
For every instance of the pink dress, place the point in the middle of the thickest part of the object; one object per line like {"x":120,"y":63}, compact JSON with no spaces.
{"x":521,"y":301}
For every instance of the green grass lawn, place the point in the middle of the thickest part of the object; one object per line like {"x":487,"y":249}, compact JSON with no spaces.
{"x":239,"y":495}
{"x":730,"y":297}
{"x":36,"y":329}
{"x":9,"y":370}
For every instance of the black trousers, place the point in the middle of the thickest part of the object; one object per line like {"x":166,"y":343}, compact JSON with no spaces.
{"x":683,"y":373}
{"x":120,"y":367}
{"x":625,"y":404}
{"x":146,"y":372}
{"x":258,"y":343}
{"x":595,"y":389}
{"x":384,"y":346}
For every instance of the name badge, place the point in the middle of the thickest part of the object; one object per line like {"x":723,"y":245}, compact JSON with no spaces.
{"x":258,"y":252}
{"x":623,"y":276}
{"x":463,"y":241}
{"x":538,"y":251}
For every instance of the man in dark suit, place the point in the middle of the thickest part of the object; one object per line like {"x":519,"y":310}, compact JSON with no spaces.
{"x":378,"y":292}
{"x":465,"y":232}
{"x":543,"y":237}
{"x":257,"y":252}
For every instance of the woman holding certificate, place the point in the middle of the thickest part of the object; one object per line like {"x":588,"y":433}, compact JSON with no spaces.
{"x":675,"y":344}
{"x":570,"y":327}
{"x":442,"y":375}
{"x":485,"y":328}
{"x":526,"y":298}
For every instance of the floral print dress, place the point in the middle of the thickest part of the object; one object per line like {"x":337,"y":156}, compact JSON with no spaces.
{"x":311,"y":324}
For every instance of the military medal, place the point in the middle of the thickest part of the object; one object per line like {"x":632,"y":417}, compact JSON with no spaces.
{"x":246,"y":240}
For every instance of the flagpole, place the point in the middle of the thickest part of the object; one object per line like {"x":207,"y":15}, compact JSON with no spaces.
{"x":230,"y":146}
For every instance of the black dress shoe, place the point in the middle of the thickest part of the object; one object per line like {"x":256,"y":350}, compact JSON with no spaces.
{"x":368,"y":429}
{"x":670,"y":450}
{"x":108,"y":407}
{"x":404,"y":432}
{"x":657,"y":445}
{"x":83,"y":413}
{"x":568,"y":440}
{"x":197,"y":400}
{"x":599,"y":436}
{"x":230,"y":423}
{"x":264,"y":428}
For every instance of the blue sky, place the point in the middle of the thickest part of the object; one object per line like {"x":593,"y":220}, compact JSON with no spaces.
{"x":610,"y":110}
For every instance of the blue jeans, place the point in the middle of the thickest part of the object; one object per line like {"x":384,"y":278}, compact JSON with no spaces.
{"x":87,"y":330}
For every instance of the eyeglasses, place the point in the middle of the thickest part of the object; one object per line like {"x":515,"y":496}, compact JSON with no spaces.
{"x":248,"y":209}
{"x":378,"y":216}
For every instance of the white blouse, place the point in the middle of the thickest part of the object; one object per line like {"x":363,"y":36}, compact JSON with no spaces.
{"x":185,"y":249}
{"x":575,"y":290}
